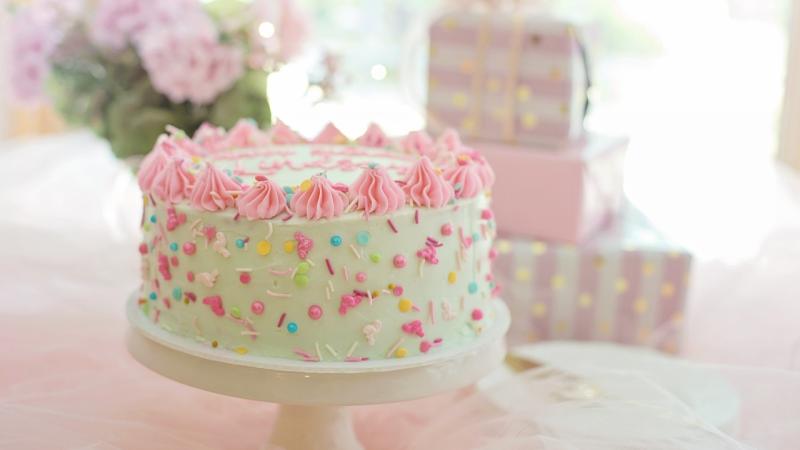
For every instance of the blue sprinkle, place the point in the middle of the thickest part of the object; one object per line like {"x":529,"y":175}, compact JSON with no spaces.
{"x":289,"y":196}
{"x":153,"y":296}
{"x":373,"y":165}
{"x":336,"y":240}
{"x":177,"y":293}
{"x":362,"y":237}
{"x":173,"y":246}
{"x":473,"y":287}
{"x":288,"y":189}
{"x":153,"y":218}
{"x":292,"y":327}
{"x":457,"y":187}
{"x":240,"y":243}
{"x":476,"y":237}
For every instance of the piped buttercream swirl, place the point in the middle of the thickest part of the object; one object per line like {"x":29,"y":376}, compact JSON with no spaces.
{"x":449,"y":140}
{"x":424,"y":186}
{"x":330,"y":135}
{"x":419,"y":143}
{"x":263,"y":200}
{"x":374,"y":192}
{"x":153,"y":164}
{"x":245,"y":134}
{"x":214,"y":191}
{"x":485,"y":171}
{"x":374,"y":137}
{"x":174,"y":183}
{"x":210,"y":137}
{"x":281,"y":134}
{"x":464,"y":177}
{"x":320,"y":200}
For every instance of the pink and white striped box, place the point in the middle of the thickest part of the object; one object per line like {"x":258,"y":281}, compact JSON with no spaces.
{"x":628,"y":285}
{"x":564,"y":196}
{"x":506,"y":75}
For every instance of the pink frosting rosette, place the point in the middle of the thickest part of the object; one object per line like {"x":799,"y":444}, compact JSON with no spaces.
{"x":152,"y":165}
{"x":485,"y":171}
{"x":281,"y":134}
{"x":374,"y":137}
{"x":320,"y":200}
{"x":424,"y":186}
{"x":210,"y":137}
{"x":330,"y":135}
{"x":245,"y":134}
{"x":264,"y":200}
{"x":449,"y":140}
{"x":464,"y":177}
{"x":419,"y":143}
{"x":376,"y":193}
{"x":214,"y":191}
{"x":174,"y":182}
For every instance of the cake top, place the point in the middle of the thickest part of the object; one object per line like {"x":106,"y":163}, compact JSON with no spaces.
{"x":264,"y":175}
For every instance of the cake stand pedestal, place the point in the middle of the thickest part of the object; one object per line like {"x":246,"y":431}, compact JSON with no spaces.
{"x":313,"y":395}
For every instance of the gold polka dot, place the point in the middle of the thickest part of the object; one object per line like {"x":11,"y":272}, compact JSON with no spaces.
{"x":564,"y":109}
{"x":522,"y":274}
{"x":648,"y":268}
{"x":538,"y":309}
{"x":667,"y":290}
{"x":585,"y":300}
{"x":460,"y":100}
{"x":401,"y":352}
{"x":500,"y":114}
{"x":493,"y":85}
{"x":538,"y":247}
{"x":556,"y":74}
{"x":433,"y":50}
{"x":604,"y":328}
{"x":677,"y":318}
{"x":643,"y":335}
{"x":640,"y":305}
{"x":598,"y":262}
{"x":561,"y":327}
{"x":670,"y":347}
{"x":469,"y":125}
{"x":557,"y":282}
{"x":621,"y":285}
{"x":433,"y":82}
{"x":467,"y":66}
{"x":503,"y":246}
{"x":529,"y":120}
{"x":449,"y":23}
{"x":523,"y":93}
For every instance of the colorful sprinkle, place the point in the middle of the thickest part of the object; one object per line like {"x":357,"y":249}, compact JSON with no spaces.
{"x":190,"y":276}
{"x":361,"y":277}
{"x":153,"y":296}
{"x":301,"y":280}
{"x":362,"y":237}
{"x":330,"y":267}
{"x":447,"y":229}
{"x":177,"y":293}
{"x":153,"y":218}
{"x":174,"y":261}
{"x":401,"y":352}
{"x":236,"y":313}
{"x":477,"y":314}
{"x":405,"y":305}
{"x":486,"y":214}
{"x":399,"y":261}
{"x":315,"y":312}
{"x":263,"y":248}
{"x":173,"y":246}
{"x":336,"y":240}
{"x":240,"y":243}
{"x":397,"y":291}
{"x":288,"y":246}
{"x":257,"y":307}
{"x":303,"y":268}
{"x":189,"y":248}
{"x":452,"y":277}
{"x":416,"y":216}
{"x":292,"y":327}
{"x":241,"y":350}
{"x":473,"y":287}
{"x":245,"y":277}
{"x":391,"y":225}
{"x":375,"y":257}
{"x":143,"y":248}
{"x":280,"y":321}
{"x":305,"y":185}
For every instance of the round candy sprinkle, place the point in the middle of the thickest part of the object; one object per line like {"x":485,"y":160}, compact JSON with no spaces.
{"x":476,"y":237}
{"x":263,"y":248}
{"x":405,"y":305}
{"x":245,"y":277}
{"x":486,"y":214}
{"x":314,"y":312}
{"x":401,"y":352}
{"x":375,"y":257}
{"x":301,"y":280}
{"x":153,"y":218}
{"x":257,"y":307}
{"x":174,"y":261}
{"x":447,"y":229}
{"x":399,"y":261}
{"x":173,"y":246}
{"x":240,"y":243}
{"x":361,"y":277}
{"x":477,"y":314}
{"x":336,"y":240}
{"x":235,"y":312}
{"x":305,"y":185}
{"x":303,"y":267}
{"x":153,"y":296}
{"x":362,"y":237}
{"x":452,"y":277}
{"x":288,"y":246}
{"x":189,"y":248}
{"x":190,"y":275}
{"x":292,"y":327}
{"x":397,"y":291}
{"x":143,"y":248}
{"x":288,"y":189}
{"x":473,"y":287}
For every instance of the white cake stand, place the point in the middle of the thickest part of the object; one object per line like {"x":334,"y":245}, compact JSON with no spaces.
{"x":312,"y":396}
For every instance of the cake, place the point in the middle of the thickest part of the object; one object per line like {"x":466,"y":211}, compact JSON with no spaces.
{"x":325,"y":250}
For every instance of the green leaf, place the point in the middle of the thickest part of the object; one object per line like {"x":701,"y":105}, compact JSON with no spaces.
{"x":246,"y":99}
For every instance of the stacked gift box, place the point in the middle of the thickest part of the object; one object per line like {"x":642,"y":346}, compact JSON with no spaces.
{"x":574,"y":261}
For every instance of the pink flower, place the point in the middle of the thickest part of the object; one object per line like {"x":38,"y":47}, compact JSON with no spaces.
{"x":186,"y":61}
{"x":35,"y":32}
{"x":116,"y":23}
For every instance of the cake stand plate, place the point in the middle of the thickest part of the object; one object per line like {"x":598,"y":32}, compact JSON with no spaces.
{"x":313,"y":394}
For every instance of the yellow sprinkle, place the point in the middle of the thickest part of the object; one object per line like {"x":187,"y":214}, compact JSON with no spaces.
{"x":195,"y":159}
{"x":145,"y":200}
{"x":376,"y":294}
{"x":401,"y":352}
{"x":390,"y":286}
{"x":263,"y":248}
{"x":452,"y":277}
{"x":240,"y":350}
{"x":288,"y":246}
{"x":305,"y":185}
{"x":404,"y":305}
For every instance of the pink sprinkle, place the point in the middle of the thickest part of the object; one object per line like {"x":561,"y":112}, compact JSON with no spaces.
{"x":361,"y":277}
{"x":166,"y":302}
{"x":152,"y":200}
{"x":215,"y":302}
{"x":399,"y":261}
{"x":236,"y":217}
{"x":174,"y":261}
{"x":416,"y":216}
{"x":288,"y":216}
{"x":414,"y":327}
{"x":280,"y":321}
{"x":356,"y":358}
{"x":143,"y":248}
{"x":486,"y":214}
{"x":330,"y":267}
{"x":189,"y":248}
{"x":492,"y":254}
{"x":257,"y":307}
{"x":424,"y":346}
{"x":191,"y":296}
{"x":244,"y":277}
{"x":391,"y":225}
{"x":437,"y":341}
{"x":210,"y":233}
{"x":397,"y":291}
{"x":314,"y":312}
{"x":190,"y":276}
{"x":447,"y":229}
{"x":477,"y":314}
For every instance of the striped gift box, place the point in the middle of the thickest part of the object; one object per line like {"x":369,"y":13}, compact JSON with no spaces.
{"x":628,"y":285}
{"x":506,"y":76}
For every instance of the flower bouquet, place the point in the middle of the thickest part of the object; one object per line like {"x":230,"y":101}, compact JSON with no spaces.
{"x":129,"y":68}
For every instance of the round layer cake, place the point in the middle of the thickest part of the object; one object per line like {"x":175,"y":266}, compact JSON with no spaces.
{"x":265,"y":244}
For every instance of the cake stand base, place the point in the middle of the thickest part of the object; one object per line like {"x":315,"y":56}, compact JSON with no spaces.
{"x":313,"y":395}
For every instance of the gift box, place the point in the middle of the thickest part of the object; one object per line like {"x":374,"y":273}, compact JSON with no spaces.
{"x":563,"y":196}
{"x":628,"y":285}
{"x":507,"y":76}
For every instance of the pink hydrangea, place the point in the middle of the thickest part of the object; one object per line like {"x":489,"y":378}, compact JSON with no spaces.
{"x":186,"y":61}
{"x":116,"y":23}
{"x":35,"y":33}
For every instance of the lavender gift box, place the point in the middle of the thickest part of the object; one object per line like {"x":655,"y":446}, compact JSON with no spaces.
{"x":507,"y":76}
{"x":628,"y":284}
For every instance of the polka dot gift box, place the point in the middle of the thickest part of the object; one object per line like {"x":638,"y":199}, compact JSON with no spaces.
{"x":628,"y":285}
{"x":507,"y":76}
